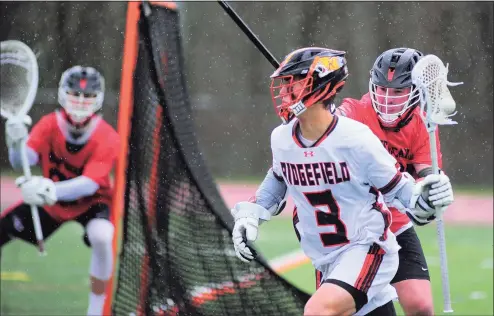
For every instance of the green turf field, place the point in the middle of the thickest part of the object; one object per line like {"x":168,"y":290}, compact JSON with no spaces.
{"x":57,"y":284}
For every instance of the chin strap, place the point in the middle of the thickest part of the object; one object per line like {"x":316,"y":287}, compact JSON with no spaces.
{"x":77,"y":125}
{"x":402,"y":123}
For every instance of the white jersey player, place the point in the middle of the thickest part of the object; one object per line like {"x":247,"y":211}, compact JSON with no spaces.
{"x":344,"y":164}
{"x":339,"y":176}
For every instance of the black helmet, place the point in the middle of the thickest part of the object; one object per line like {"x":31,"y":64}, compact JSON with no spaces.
{"x":322,"y":72}
{"x":81,"y":93}
{"x":390,"y":85}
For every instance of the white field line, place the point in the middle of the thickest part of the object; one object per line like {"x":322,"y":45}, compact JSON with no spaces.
{"x":289,"y":261}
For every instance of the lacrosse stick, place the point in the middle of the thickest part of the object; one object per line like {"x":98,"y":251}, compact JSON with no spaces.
{"x":437,"y":104}
{"x":19,"y":84}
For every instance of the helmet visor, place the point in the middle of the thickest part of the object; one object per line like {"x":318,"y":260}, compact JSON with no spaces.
{"x":80,"y":106}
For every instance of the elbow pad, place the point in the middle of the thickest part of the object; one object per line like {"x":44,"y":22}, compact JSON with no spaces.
{"x":280,"y":206}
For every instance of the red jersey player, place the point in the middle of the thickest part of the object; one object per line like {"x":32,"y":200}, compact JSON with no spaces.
{"x":76,"y":150}
{"x":391,"y":110}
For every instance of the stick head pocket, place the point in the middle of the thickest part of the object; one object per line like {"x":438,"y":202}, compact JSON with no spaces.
{"x":437,"y":103}
{"x":18,"y":78}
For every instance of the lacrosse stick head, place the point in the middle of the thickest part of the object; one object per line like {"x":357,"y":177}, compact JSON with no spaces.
{"x":437,"y":103}
{"x":18,"y":78}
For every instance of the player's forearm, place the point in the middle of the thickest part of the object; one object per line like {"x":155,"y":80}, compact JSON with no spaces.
{"x":402,"y":191}
{"x":424,"y":170}
{"x":271,"y":192}
{"x":15,"y":157}
{"x":419,"y":167}
{"x":74,"y":189}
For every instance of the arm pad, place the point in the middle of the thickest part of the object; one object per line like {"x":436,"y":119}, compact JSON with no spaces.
{"x":74,"y":189}
{"x":402,"y":192}
{"x":272,"y":194}
{"x":16,"y":160}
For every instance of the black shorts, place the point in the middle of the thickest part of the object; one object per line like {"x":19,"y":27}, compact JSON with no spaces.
{"x":412,"y":260}
{"x":18,"y":223}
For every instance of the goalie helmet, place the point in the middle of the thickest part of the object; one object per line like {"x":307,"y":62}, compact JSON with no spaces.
{"x":390,"y":86}
{"x":81,"y":93}
{"x":305,"y":77}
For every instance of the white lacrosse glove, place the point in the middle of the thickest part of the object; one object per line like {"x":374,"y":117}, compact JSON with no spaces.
{"x":37,"y":190}
{"x":16,"y":130}
{"x":247,"y":217}
{"x":431,"y":195}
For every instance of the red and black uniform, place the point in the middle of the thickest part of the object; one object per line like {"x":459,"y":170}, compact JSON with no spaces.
{"x":409,"y":145}
{"x":61,"y":161}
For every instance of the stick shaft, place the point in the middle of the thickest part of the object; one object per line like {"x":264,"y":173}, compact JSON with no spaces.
{"x":34,"y":209}
{"x":441,"y":238}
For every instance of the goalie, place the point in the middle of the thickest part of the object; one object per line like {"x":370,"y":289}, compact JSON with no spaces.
{"x":76,"y":150}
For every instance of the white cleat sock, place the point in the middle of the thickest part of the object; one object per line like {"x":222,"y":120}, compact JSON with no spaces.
{"x":96,"y":304}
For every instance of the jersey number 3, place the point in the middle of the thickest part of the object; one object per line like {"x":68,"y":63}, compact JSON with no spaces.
{"x":325,"y":198}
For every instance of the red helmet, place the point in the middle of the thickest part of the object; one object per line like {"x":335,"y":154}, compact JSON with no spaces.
{"x":305,"y":77}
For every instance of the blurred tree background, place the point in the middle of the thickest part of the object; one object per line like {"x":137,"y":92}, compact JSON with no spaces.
{"x":228,"y":79}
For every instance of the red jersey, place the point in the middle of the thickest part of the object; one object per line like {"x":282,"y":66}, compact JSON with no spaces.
{"x":409,"y":146}
{"x":62,"y":161}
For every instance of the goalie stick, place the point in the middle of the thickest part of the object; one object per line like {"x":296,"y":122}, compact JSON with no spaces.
{"x":19,"y":82}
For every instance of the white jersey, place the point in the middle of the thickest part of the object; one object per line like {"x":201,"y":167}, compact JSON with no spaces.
{"x":334,"y":184}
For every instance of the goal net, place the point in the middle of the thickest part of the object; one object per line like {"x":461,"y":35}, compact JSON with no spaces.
{"x":176,"y":256}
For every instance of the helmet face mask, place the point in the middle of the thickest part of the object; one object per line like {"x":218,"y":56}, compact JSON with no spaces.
{"x":390,"y":86}
{"x":307,"y":76}
{"x":391,"y":103}
{"x":287,"y":93}
{"x":81,"y":94}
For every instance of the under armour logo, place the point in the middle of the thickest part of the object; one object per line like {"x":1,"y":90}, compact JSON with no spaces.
{"x":308,"y":153}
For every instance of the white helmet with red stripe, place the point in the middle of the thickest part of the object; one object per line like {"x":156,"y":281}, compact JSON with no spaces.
{"x":81,"y":92}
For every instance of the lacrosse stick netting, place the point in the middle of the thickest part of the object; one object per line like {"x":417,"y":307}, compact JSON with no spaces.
{"x":19,"y":78}
{"x":18,"y":87}
{"x":437,"y":105}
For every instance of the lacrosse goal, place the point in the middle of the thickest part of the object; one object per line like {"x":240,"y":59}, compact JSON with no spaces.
{"x":176,"y":253}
